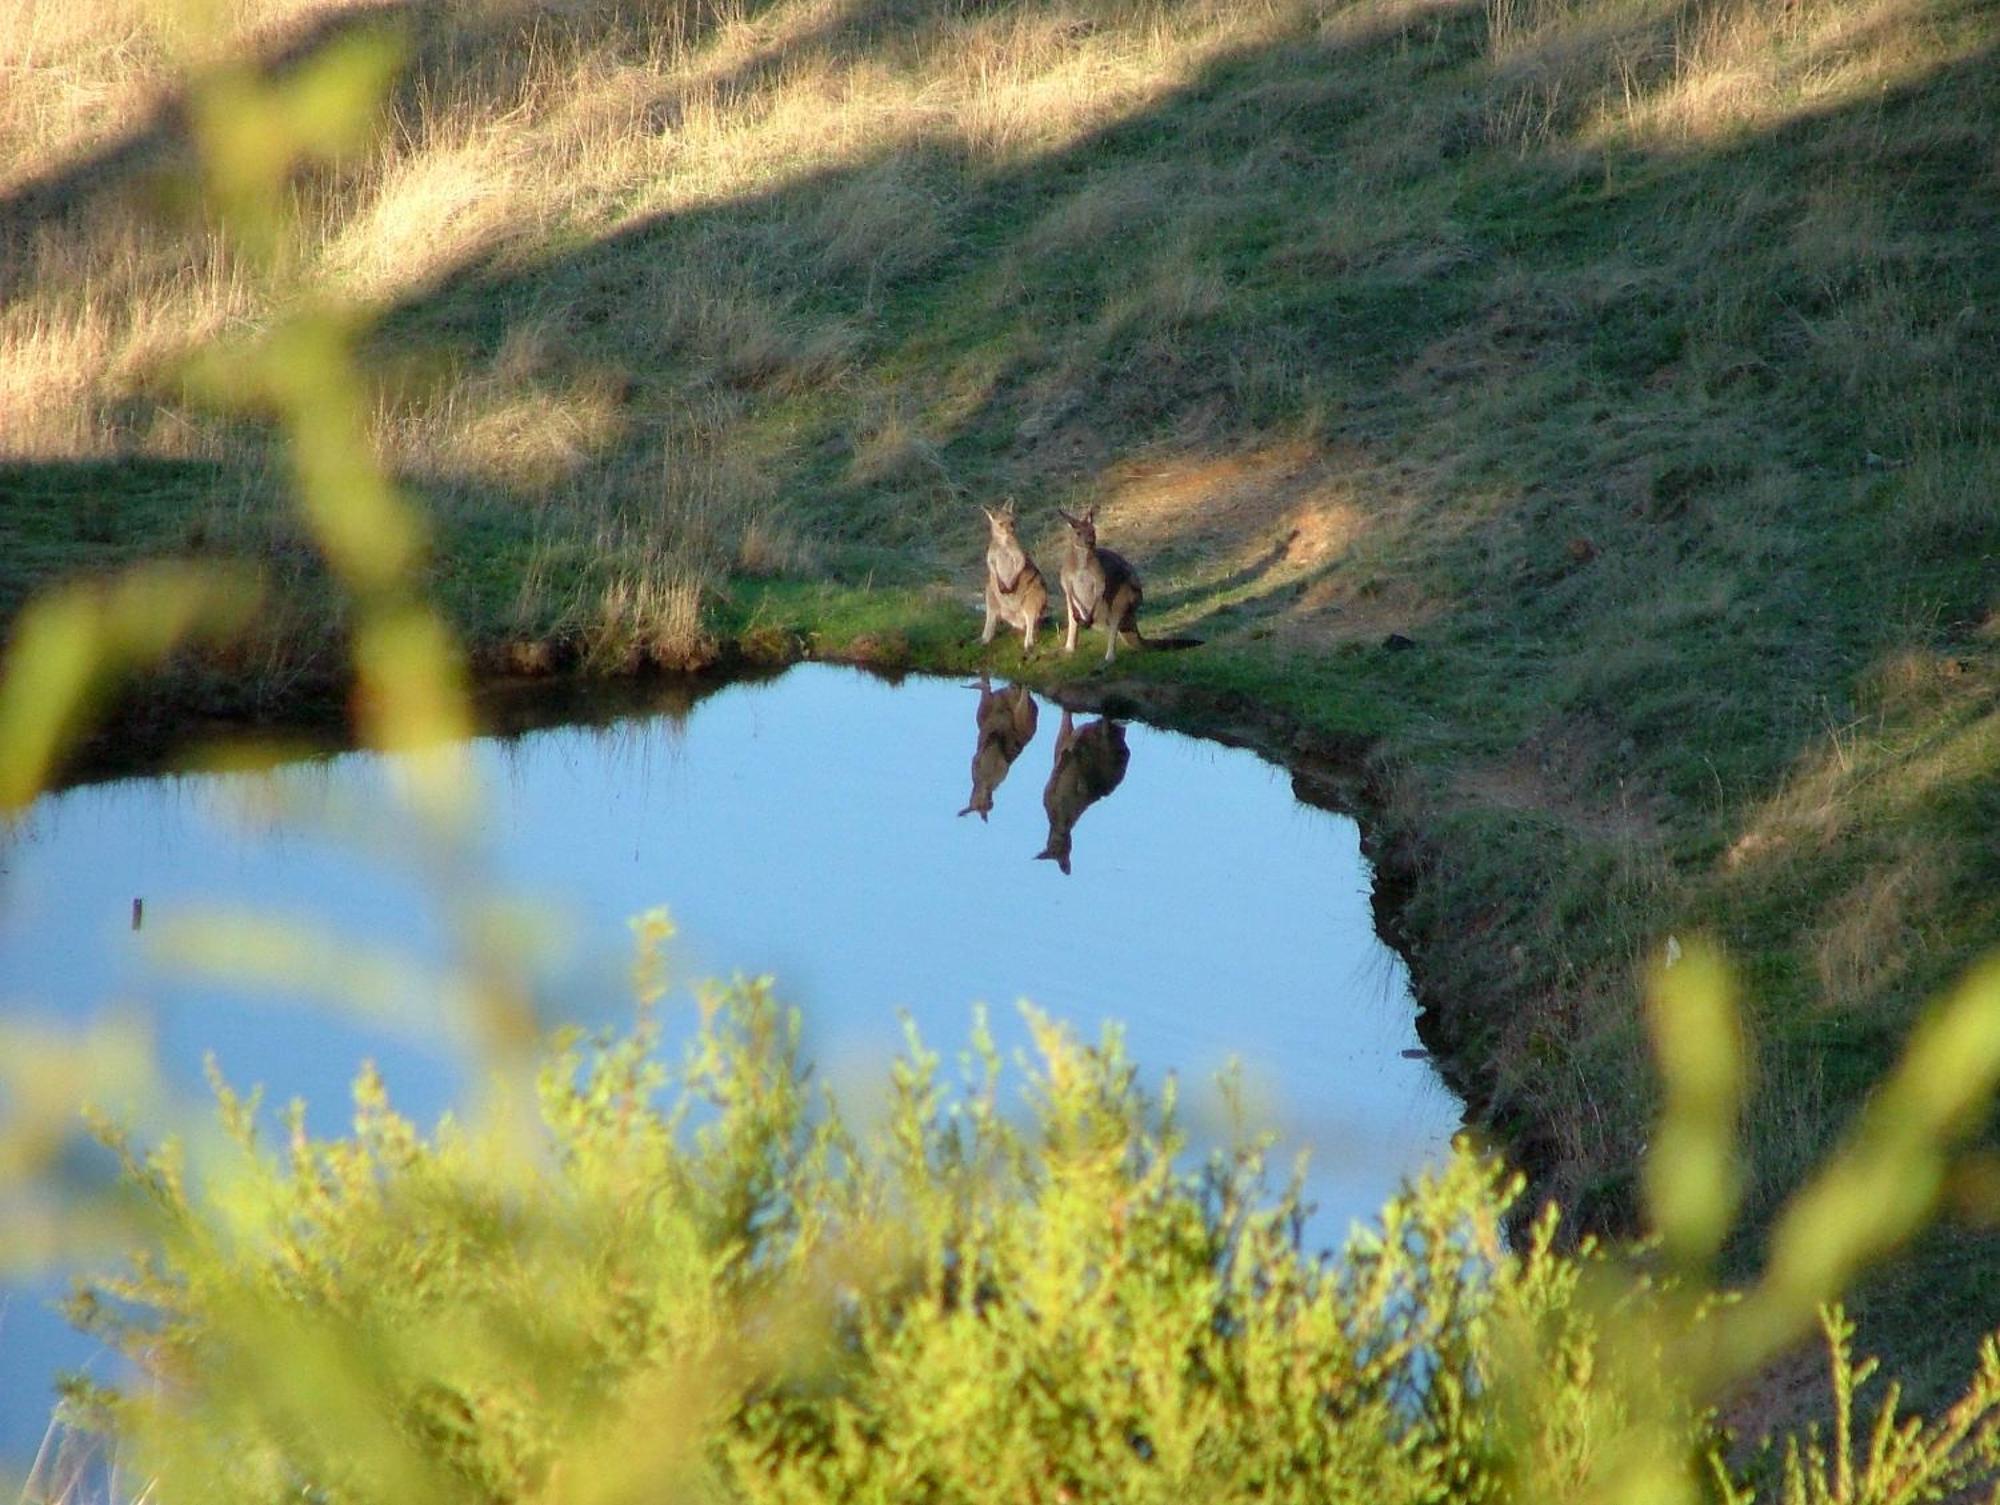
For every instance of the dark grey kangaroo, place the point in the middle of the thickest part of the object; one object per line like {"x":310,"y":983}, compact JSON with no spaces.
{"x":1089,"y":765}
{"x":1098,"y":586}
{"x":1007,"y":721}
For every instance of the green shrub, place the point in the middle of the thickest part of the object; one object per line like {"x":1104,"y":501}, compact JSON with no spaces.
{"x":705,"y":1283}
{"x":708,"y":1280}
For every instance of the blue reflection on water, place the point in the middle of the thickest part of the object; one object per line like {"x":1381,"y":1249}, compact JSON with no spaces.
{"x":806,"y":827}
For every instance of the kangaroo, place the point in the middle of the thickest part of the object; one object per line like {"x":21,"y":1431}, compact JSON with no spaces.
{"x":1097,"y":586}
{"x":1007,"y":720}
{"x":1089,"y":765}
{"x":1016,"y":594}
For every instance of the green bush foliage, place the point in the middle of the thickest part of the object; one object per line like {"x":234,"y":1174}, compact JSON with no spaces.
{"x":709,"y":1271}
{"x":706,"y":1283}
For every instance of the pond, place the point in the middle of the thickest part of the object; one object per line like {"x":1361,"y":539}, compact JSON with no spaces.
{"x":879,"y":849}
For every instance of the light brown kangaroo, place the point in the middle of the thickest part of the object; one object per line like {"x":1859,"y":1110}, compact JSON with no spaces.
{"x":1089,"y":765}
{"x":1016,"y":594}
{"x":1007,"y":721}
{"x":1098,"y":586}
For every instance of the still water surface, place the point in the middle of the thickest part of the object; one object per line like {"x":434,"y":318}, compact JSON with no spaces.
{"x":809,"y":827}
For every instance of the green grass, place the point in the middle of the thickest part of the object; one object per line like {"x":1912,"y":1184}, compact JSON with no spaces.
{"x":1639,"y":360}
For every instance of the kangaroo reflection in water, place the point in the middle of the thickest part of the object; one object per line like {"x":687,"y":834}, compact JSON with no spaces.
{"x":1089,"y":765}
{"x":1007,"y":720}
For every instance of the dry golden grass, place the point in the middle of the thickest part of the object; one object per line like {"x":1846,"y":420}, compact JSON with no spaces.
{"x":1879,"y":926}
{"x":1738,"y":69}
{"x":1883,"y":766}
{"x":572,"y":127}
{"x":47,"y":391}
{"x":530,"y":441}
{"x":1672,"y":75}
{"x":891,"y":448}
{"x":1113,"y":205}
{"x":650,"y":619}
{"x":425,"y":214}
{"x":532,"y":121}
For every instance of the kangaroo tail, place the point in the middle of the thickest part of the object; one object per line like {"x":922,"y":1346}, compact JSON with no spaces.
{"x":1165,"y":645}
{"x":1130,"y":626}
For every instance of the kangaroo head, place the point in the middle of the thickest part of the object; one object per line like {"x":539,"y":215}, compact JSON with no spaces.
{"x":989,"y":767}
{"x":1050,"y":853}
{"x":1082,"y":529}
{"x":1001,"y":523}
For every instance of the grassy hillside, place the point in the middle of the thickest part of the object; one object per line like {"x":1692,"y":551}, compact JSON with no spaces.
{"x":1639,"y":360}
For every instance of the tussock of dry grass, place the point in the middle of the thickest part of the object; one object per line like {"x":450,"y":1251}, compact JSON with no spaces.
{"x":890,"y":448}
{"x":46,"y":387}
{"x":1876,"y":927}
{"x":426,"y":214}
{"x":1674,"y":74}
{"x":527,"y":441}
{"x":650,"y":619}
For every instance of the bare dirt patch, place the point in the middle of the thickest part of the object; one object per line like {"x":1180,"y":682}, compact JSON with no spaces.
{"x":1568,"y":771}
{"x":1161,"y":502}
{"x":1275,"y":528}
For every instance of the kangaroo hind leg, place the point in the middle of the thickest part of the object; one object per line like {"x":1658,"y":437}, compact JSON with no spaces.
{"x":1121,"y":614}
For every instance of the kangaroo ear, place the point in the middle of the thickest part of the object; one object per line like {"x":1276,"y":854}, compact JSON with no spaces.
{"x":991,"y":517}
{"x":969,"y":809}
{"x":1007,"y":508}
{"x":1066,"y":517}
